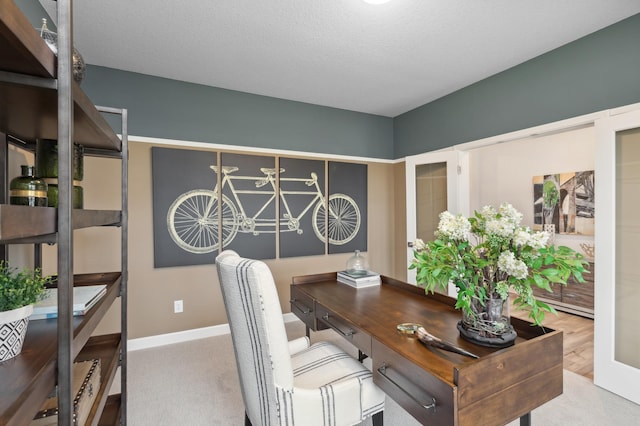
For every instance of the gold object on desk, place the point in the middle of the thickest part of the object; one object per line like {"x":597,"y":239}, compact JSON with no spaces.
{"x":409,"y":328}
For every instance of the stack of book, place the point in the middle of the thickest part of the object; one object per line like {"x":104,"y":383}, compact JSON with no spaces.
{"x":84,"y":298}
{"x":368,"y":279}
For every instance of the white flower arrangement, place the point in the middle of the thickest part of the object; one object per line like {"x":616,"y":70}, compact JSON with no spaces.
{"x":490,"y":254}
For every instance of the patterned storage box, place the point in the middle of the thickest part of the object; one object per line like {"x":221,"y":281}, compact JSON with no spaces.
{"x":86,"y":384}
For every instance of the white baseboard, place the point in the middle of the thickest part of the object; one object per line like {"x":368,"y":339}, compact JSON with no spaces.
{"x":187,"y":335}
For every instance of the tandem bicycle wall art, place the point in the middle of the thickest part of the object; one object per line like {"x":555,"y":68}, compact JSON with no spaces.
{"x":205,"y":202}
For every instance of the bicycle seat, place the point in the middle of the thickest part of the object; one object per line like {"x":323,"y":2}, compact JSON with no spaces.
{"x":225,"y":169}
{"x":270,"y":171}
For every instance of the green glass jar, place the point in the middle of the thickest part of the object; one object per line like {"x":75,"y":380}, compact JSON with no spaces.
{"x":47,"y":159}
{"x":52,"y":193}
{"x":28,"y":190}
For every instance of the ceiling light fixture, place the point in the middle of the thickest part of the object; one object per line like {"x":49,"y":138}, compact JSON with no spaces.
{"x":376,"y":1}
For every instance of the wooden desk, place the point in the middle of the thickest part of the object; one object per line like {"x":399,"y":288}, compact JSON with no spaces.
{"x":499,"y":387}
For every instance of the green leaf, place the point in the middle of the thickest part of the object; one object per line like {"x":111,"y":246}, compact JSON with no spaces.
{"x":18,"y":289}
{"x":542,"y":282}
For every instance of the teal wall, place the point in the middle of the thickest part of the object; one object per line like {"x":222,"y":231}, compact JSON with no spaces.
{"x":597,"y":72}
{"x":34,"y":11}
{"x":171,"y":109}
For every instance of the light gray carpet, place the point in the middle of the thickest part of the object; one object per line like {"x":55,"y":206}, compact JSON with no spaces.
{"x":195,"y":383}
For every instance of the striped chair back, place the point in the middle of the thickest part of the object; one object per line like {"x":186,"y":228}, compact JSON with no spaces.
{"x":258,"y":334}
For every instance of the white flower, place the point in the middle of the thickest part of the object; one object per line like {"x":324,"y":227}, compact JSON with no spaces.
{"x":539,"y":240}
{"x":522,"y":237}
{"x":419,"y":244}
{"x":500,"y":227}
{"x":454,"y":227}
{"x":488,"y":212}
{"x":508,"y":264}
{"x":510,"y":214}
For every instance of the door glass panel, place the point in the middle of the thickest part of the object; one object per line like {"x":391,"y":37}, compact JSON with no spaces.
{"x":627,"y":281}
{"x":431,"y":199}
{"x":617,"y":280}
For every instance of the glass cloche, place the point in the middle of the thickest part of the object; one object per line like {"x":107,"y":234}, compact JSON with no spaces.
{"x":357,"y":264}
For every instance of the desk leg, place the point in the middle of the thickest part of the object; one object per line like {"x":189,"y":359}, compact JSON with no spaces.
{"x":307,"y":331}
{"x":525,"y":420}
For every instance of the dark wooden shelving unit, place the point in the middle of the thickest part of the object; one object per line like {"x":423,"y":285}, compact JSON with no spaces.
{"x":27,"y":122}
{"x":23,"y":224}
{"x":31,"y":375}
{"x":112,"y":411}
{"x":18,"y":222}
{"x":29,"y":86}
{"x":34,"y":88}
{"x":106,"y":348}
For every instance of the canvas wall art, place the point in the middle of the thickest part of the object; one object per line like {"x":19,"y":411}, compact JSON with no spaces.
{"x":565,"y":202}
{"x":302,"y":205}
{"x":346,"y":217}
{"x":248,"y":204}
{"x":205,"y":202}
{"x":185,"y":224}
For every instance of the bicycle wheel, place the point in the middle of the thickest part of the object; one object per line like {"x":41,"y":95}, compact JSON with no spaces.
{"x":343,"y":222}
{"x":192,"y":221}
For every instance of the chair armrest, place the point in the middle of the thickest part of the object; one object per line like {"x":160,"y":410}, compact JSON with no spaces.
{"x":298,"y":345}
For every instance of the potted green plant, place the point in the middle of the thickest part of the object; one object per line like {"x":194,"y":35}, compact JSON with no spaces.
{"x":19,"y":291}
{"x":487,"y":257}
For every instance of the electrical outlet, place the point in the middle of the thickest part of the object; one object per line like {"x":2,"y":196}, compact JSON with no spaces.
{"x":177,"y":306}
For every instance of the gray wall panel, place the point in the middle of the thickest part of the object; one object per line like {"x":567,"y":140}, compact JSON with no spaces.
{"x":594,"y":73}
{"x":173,"y":109}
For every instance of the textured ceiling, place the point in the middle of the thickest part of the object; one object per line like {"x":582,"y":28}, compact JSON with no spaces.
{"x":379,"y":59}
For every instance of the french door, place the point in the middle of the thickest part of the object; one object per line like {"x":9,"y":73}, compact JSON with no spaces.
{"x":617,"y":237}
{"x":435,"y":182}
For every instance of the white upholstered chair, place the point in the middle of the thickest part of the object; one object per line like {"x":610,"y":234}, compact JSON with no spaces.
{"x":288,"y":383}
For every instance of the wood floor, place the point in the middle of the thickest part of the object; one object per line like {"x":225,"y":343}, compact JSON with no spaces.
{"x":578,"y":340}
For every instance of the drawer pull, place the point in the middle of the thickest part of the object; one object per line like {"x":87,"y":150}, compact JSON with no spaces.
{"x":302,"y":308}
{"x":348,"y":334}
{"x":430,"y":406}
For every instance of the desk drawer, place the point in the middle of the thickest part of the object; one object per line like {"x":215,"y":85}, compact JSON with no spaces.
{"x":346,"y":329}
{"x":413,"y":388}
{"x":302,"y":307}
